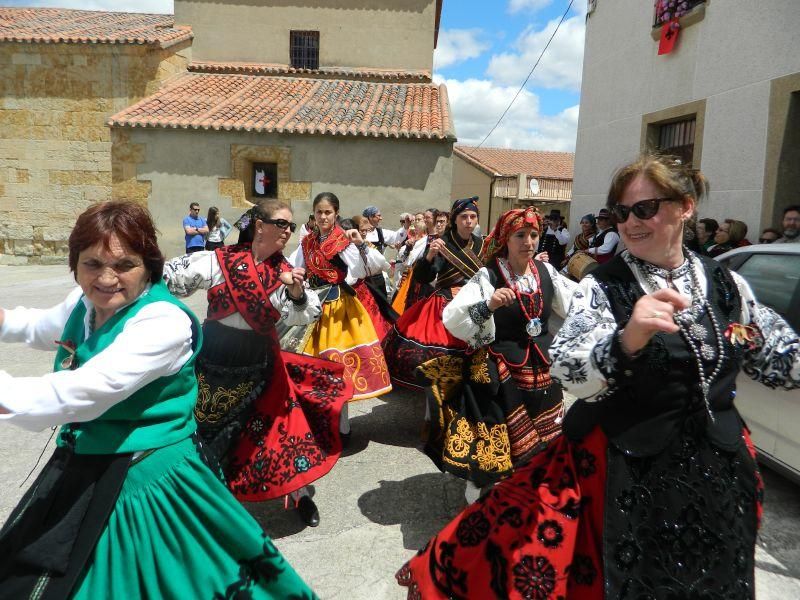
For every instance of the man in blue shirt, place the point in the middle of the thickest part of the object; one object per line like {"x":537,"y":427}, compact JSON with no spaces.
{"x":195,"y":228}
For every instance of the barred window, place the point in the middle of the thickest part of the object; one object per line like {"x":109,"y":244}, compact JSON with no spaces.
{"x":677,"y":138}
{"x":304,"y":49}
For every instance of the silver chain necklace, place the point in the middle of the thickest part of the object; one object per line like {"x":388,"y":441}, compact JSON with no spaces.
{"x":694,"y":334}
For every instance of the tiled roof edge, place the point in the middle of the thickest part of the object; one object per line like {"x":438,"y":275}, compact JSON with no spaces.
{"x":363,"y":74}
{"x":475,"y":162}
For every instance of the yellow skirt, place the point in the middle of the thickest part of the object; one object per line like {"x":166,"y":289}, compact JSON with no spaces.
{"x":345,"y":334}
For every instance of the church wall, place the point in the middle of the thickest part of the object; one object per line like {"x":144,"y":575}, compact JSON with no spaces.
{"x":383,"y":34}
{"x":55,"y":146}
{"x":173,"y":168}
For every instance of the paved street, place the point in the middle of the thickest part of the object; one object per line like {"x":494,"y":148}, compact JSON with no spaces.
{"x":383,"y":499}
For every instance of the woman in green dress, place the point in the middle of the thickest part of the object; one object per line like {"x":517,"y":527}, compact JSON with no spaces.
{"x":126,"y":507}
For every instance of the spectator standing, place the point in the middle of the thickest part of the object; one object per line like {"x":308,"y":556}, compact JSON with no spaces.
{"x":604,"y":245}
{"x":769,"y":235}
{"x":705,"y":230}
{"x":555,"y":238}
{"x":306,"y":227}
{"x":195,"y":229}
{"x":791,"y":225}
{"x":218,"y":229}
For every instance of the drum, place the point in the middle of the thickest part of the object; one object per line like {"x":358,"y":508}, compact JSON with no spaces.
{"x":580,"y":264}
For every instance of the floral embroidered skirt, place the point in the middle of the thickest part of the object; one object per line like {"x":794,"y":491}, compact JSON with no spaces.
{"x":417,"y":337}
{"x":345,"y":334}
{"x":176,"y":532}
{"x":678,"y":525}
{"x":489,"y":415}
{"x":378,"y":307}
{"x":270,"y":417}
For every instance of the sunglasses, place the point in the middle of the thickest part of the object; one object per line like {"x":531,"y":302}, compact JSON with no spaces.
{"x":766,"y":240}
{"x":644,"y":209}
{"x":282,"y":224}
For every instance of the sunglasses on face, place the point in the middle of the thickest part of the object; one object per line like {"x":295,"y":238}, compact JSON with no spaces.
{"x":766,"y":240}
{"x":282,"y":224}
{"x":643,"y":209}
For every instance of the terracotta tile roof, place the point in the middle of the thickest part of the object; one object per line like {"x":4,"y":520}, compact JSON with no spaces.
{"x":360,"y":73}
{"x":59,"y":25}
{"x":506,"y":161}
{"x":295,"y":105}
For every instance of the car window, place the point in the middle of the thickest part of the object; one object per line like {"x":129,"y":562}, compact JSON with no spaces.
{"x":773,"y":278}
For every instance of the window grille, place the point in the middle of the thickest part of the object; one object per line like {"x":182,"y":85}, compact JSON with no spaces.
{"x":304,"y":49}
{"x":678,"y":139}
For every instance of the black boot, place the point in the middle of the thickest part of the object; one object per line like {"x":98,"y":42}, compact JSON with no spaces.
{"x":308,"y":511}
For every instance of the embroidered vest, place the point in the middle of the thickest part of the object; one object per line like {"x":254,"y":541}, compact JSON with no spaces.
{"x":460,"y":263}
{"x":157,"y":415}
{"x":323,"y":265}
{"x":659,"y":391}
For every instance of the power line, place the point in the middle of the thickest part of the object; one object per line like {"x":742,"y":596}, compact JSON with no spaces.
{"x":524,"y":83}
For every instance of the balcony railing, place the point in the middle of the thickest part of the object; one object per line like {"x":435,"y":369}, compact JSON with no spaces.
{"x":667,"y":10}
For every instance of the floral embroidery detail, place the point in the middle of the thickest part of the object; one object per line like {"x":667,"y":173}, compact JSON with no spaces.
{"x":479,"y":313}
{"x":479,"y":368}
{"x":512,"y":516}
{"x":534,"y":577}
{"x":585,"y":462}
{"x":626,"y":554}
{"x":550,"y":533}
{"x":582,"y":570}
{"x":473,"y":530}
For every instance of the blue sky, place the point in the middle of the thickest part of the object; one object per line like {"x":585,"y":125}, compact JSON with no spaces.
{"x":486,"y":49}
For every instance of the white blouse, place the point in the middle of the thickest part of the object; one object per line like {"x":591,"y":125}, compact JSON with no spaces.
{"x":200,"y":270}
{"x":154,"y":343}
{"x":581,"y":351}
{"x":459,"y":320}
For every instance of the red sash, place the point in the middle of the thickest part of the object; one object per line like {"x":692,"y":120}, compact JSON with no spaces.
{"x":318,"y":255}
{"x":247,"y":287}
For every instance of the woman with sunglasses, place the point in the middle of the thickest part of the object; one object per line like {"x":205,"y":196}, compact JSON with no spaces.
{"x":653,"y":490}
{"x":345,"y":332}
{"x":261,"y":412}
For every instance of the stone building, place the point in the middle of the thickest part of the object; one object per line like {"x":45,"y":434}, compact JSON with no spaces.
{"x":726,"y":99}
{"x":506,"y":178}
{"x":266,"y":99}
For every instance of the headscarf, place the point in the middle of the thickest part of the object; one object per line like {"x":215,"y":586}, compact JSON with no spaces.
{"x":462,"y":205}
{"x":370,"y":211}
{"x":509,"y":222}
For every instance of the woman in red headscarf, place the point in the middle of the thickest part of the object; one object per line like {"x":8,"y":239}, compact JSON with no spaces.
{"x":495,"y":407}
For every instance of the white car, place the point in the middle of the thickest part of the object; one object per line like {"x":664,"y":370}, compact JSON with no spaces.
{"x":773,"y":272}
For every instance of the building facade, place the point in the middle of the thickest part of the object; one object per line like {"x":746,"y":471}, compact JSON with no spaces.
{"x":505,"y":178}
{"x":726,"y":100}
{"x":235,"y":103}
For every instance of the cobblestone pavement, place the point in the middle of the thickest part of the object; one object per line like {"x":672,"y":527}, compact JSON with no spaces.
{"x":382,"y":500}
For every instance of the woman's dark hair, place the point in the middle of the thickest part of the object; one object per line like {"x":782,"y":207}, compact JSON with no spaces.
{"x":130,"y":222}
{"x":262,"y":210}
{"x":668,"y":173}
{"x":348,"y":224}
{"x":212,"y":220}
{"x":330,"y":197}
{"x":711,"y":225}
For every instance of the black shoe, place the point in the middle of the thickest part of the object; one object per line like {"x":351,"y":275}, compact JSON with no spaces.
{"x":308,"y":511}
{"x":345,"y":437}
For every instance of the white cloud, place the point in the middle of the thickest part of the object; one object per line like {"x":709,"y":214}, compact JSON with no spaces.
{"x":457,"y":45}
{"x":533,"y":5}
{"x":142,"y":6}
{"x":476,"y":104}
{"x":561,"y":65}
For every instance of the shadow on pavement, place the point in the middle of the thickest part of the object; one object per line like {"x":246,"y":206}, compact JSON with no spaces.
{"x":277,"y":521}
{"x":397,"y":421}
{"x":421,"y":505}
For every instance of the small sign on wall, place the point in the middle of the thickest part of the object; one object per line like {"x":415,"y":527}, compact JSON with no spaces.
{"x":265,"y":180}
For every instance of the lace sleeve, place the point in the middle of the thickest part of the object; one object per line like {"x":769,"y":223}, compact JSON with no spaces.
{"x":467,"y":316}
{"x":775,"y":361}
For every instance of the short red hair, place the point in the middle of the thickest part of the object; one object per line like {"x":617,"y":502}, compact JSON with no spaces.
{"x":129,"y":221}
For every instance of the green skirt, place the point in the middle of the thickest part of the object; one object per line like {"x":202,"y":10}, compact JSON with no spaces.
{"x":177,"y":532}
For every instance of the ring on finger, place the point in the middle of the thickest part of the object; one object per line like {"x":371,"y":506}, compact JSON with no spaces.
{"x":656,"y":314}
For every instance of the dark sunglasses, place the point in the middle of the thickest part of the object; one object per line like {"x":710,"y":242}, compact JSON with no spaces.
{"x":766,"y":240}
{"x":282,"y":224}
{"x":643,"y":209}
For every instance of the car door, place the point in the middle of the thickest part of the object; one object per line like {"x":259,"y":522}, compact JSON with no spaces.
{"x":773,"y":415}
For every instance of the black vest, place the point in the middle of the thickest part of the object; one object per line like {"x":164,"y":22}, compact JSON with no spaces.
{"x":555,"y":250}
{"x":656,"y":393}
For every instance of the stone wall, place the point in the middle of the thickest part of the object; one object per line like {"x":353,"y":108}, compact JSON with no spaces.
{"x":55,"y":146}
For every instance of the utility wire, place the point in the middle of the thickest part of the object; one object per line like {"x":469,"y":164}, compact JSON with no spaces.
{"x":524,"y":83}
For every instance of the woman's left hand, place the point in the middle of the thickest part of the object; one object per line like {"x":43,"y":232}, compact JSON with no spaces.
{"x":542,"y":257}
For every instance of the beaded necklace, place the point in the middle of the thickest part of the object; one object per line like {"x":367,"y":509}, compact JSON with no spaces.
{"x":694,"y":334}
{"x":533,"y":324}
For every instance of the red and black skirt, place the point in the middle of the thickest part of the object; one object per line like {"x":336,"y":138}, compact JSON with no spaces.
{"x":419,"y":336}
{"x":583,"y":520}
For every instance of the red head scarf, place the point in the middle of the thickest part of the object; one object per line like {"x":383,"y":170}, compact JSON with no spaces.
{"x":509,"y":222}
